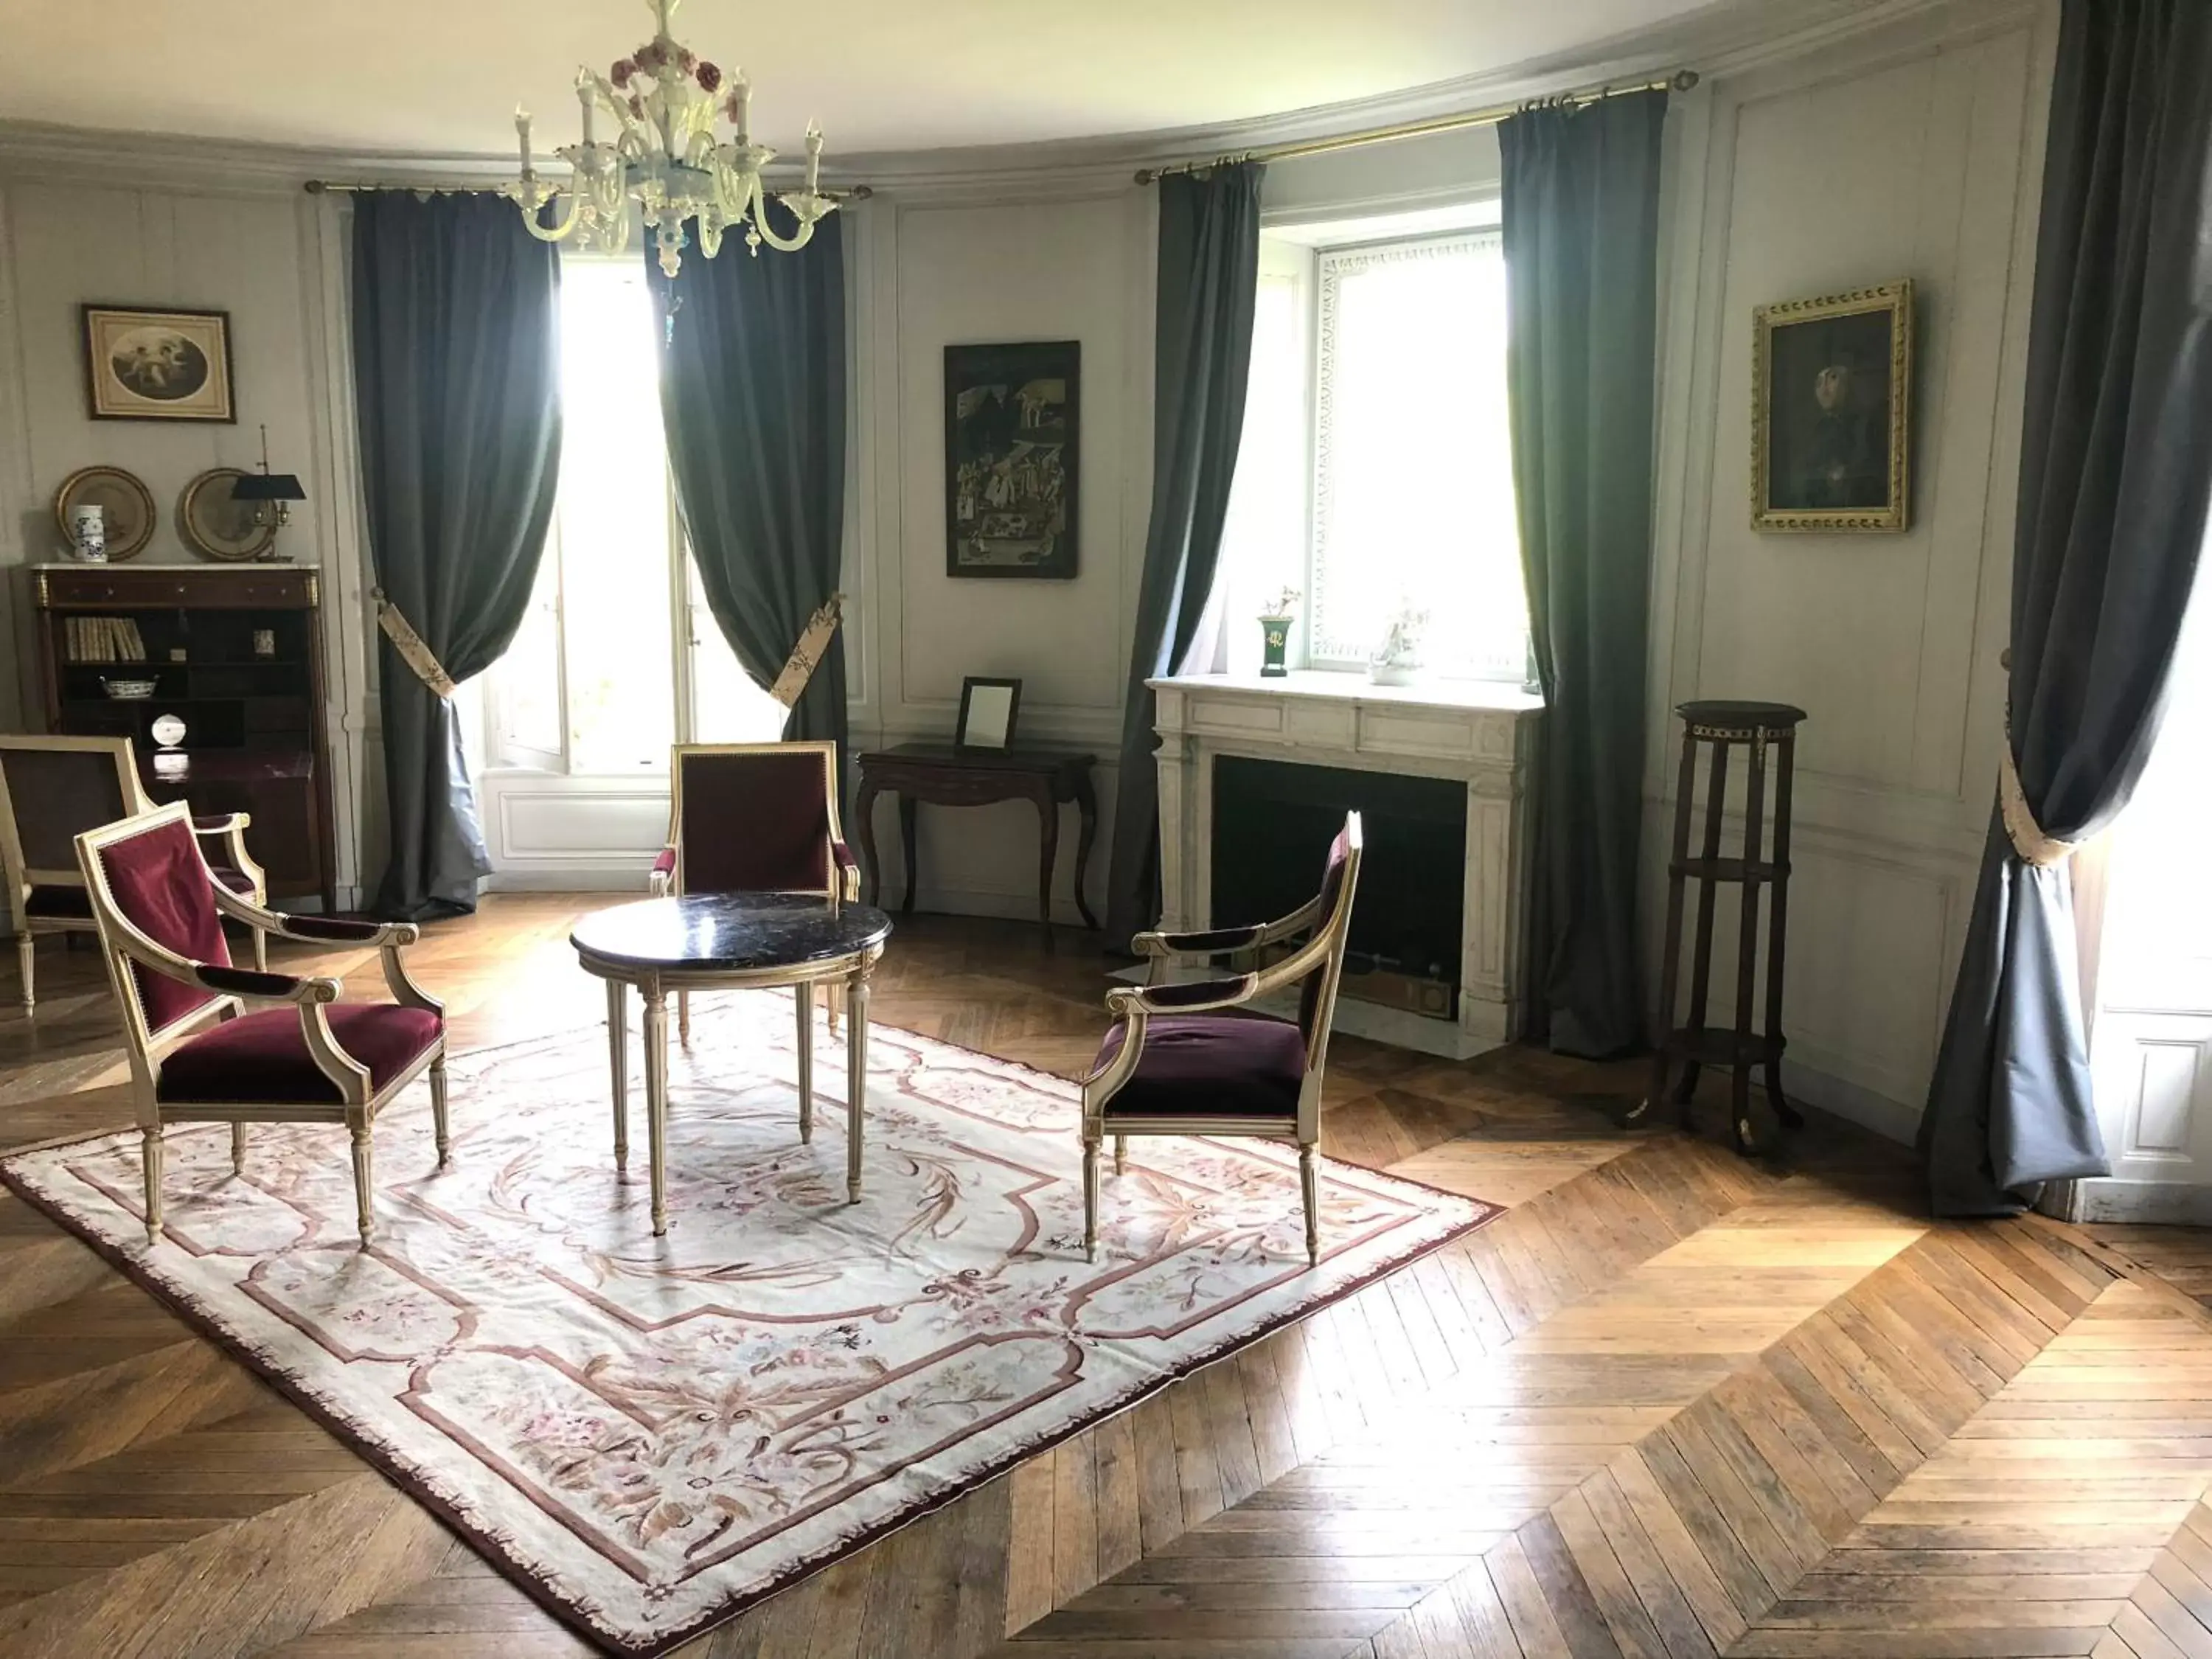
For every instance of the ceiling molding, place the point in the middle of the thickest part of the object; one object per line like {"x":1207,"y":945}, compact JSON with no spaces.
{"x":1731,"y":36}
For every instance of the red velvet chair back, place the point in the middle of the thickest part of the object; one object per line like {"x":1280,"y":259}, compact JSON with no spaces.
{"x":1340,"y":877}
{"x":157,"y":881}
{"x":755,"y":820}
{"x":55,"y":794}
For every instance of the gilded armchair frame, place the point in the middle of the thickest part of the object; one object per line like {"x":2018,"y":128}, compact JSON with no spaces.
{"x":844,"y":872}
{"x":122,"y":943}
{"x":21,"y":878}
{"x":1133,"y":1007}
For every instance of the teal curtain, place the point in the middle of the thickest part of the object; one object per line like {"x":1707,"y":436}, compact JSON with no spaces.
{"x":1580,"y":214}
{"x":1208,"y":282}
{"x":752,"y":387}
{"x":457,"y":389}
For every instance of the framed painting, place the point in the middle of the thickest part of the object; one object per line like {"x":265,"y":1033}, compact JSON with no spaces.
{"x":145,"y":365}
{"x":1012,"y":422}
{"x":1832,"y":412}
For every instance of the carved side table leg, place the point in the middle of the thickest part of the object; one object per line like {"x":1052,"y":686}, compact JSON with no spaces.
{"x":1086,"y":804}
{"x":909,"y":809}
{"x":856,"y":1076}
{"x":863,"y":816}
{"x":618,"y":1063}
{"x":656,"y":1100}
{"x":1047,"y":853}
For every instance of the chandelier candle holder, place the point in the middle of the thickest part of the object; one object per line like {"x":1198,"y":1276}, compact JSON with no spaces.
{"x":665,"y":98}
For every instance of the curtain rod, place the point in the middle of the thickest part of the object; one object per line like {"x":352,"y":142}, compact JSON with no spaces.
{"x":335,"y":186}
{"x":1679,"y":81}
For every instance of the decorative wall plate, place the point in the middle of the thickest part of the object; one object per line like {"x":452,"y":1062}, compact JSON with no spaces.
{"x":217,"y":528}
{"x":126,"y":506}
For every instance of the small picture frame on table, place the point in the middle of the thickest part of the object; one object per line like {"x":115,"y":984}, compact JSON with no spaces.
{"x":987,"y":708}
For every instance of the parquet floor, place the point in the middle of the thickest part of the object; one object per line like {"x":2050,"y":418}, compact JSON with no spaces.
{"x":1671,"y":1406}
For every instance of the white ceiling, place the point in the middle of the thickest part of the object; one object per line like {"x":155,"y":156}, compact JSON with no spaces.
{"x":442,"y":77}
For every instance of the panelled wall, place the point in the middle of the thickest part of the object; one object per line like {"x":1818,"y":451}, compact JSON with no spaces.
{"x":1917,"y":155}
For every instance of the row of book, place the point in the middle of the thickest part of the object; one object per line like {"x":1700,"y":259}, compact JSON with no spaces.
{"x":104,"y":638}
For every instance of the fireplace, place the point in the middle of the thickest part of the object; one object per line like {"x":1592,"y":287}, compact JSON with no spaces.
{"x":1272,"y":821}
{"x":1256,"y":775}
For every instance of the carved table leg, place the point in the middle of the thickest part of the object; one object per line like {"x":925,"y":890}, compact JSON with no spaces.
{"x":856,"y":1076}
{"x":1048,"y":851}
{"x":803,"y":994}
{"x":618,"y":1062}
{"x":864,"y":814}
{"x":656,"y":1099}
{"x":1086,"y":802}
{"x":907,"y":812}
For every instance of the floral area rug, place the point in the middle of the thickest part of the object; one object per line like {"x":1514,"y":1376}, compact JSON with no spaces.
{"x":651,"y":1434}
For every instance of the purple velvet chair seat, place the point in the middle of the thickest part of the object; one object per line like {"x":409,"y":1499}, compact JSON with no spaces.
{"x":261,"y":1057}
{"x":1211,"y":1066}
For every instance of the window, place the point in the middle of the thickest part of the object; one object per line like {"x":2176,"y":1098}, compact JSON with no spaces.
{"x":618,"y":656}
{"x":1376,"y":468}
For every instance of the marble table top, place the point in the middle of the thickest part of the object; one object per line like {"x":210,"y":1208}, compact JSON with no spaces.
{"x":733,"y":933}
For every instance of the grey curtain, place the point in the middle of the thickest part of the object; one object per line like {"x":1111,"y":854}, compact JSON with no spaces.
{"x":1581,"y":213}
{"x":1209,"y":275}
{"x":457,"y":392}
{"x":752,"y":387}
{"x":2115,"y":472}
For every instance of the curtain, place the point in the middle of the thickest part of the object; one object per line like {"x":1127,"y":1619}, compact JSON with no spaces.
{"x":1580,"y":214}
{"x":2115,"y":471}
{"x":1209,"y":276}
{"x":753,"y":388}
{"x":457,"y":392}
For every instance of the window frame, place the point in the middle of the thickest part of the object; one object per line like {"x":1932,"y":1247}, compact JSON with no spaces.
{"x":1330,"y":263}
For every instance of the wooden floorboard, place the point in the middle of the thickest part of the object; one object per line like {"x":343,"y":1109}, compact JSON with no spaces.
{"x":1671,"y":1406}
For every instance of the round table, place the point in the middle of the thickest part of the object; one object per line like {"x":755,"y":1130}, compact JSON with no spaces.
{"x":719,"y":941}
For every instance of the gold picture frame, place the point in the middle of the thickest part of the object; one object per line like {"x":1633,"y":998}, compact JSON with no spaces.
{"x":141,"y":364}
{"x":1832,"y":413}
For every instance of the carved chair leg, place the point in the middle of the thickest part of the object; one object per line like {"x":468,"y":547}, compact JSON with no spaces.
{"x":362,"y":1173}
{"x":1090,"y":1199}
{"x":237,"y":1148}
{"x":835,"y":1002}
{"x":1121,"y":1155}
{"x":1310,"y":1188}
{"x":804,"y":996}
{"x":438,"y":1119}
{"x":260,"y":949}
{"x":149,"y":1142}
{"x":684,"y":1016}
{"x":26,"y":959}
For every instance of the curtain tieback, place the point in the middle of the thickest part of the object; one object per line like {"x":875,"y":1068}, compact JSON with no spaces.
{"x":2027,"y":837}
{"x":807,"y":656}
{"x":408,"y":644}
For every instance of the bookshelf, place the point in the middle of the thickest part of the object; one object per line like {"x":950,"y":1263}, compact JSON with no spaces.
{"x":236,"y":652}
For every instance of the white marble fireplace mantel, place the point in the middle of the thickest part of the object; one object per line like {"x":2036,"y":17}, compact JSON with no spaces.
{"x":1477,"y":732}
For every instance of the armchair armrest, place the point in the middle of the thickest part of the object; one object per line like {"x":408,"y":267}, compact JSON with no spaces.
{"x":663,"y":877}
{"x":389,"y":937}
{"x":253,"y":985}
{"x":849,"y":870}
{"x":1195,"y":997}
{"x":1208,"y":943}
{"x":228,"y":831}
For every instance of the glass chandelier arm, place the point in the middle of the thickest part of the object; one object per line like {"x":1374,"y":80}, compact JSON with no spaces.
{"x":787,"y":245}
{"x":559,"y":233}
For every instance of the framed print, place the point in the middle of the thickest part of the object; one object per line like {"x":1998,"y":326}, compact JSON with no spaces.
{"x":988,"y":707}
{"x":1012,"y":419}
{"x":1831,"y":410}
{"x":144,"y":365}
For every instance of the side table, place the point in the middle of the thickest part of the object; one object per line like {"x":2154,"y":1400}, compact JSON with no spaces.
{"x":945,"y":775}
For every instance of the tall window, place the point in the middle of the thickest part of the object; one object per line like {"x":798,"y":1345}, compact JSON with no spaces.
{"x":618,"y":657}
{"x":1376,"y":470}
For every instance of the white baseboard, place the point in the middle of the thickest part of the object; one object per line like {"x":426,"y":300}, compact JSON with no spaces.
{"x":943,"y":901}
{"x":2157,"y":1203}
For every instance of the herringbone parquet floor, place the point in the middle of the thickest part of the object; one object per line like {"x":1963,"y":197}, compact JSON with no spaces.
{"x":1672,"y":1405}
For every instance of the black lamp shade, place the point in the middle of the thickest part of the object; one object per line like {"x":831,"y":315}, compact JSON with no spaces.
{"x":268,"y":487}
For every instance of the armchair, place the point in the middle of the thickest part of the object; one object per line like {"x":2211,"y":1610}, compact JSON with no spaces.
{"x":197,"y":1054}
{"x":756,"y":818}
{"x":50,"y":789}
{"x":1192,"y":1059}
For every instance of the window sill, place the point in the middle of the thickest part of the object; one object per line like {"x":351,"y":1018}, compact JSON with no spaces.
{"x":1341,"y":686}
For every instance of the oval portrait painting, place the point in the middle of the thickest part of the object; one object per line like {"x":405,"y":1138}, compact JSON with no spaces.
{"x":158,"y":363}
{"x":144,"y":365}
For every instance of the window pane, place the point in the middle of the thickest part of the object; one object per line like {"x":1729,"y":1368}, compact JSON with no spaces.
{"x":1264,"y":540}
{"x":613,"y":513}
{"x":1413,"y":477}
{"x":726,"y":706}
{"x":528,"y":678}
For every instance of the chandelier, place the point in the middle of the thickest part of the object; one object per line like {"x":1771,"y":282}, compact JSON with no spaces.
{"x":665,"y":98}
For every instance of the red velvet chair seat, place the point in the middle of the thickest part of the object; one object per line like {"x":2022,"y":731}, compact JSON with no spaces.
{"x":263,"y":1057}
{"x":1211,"y":1066}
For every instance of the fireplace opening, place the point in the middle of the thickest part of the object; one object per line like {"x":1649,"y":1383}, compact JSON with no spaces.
{"x":1272,"y":823}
